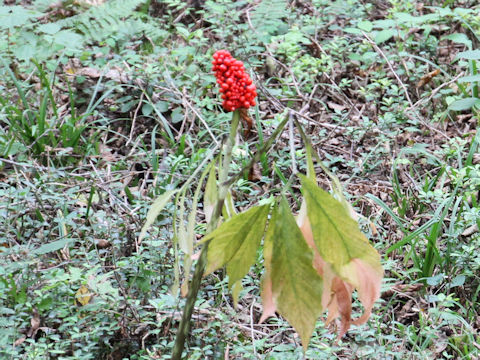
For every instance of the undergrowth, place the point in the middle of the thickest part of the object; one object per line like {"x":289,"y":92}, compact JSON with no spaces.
{"x":105,"y":105}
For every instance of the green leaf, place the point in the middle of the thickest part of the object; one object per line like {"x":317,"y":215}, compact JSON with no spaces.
{"x":228,"y":206}
{"x":336,"y":234}
{"x":384,"y":35}
{"x":177,"y":115}
{"x":470,"y":78}
{"x":296,"y":286}
{"x":45,"y":304}
{"x":458,"y":280}
{"x":464,"y":104}
{"x":69,"y":39}
{"x":405,"y":18}
{"x":469,"y":55}
{"x":162,"y":106}
{"x":147,"y":109}
{"x":49,"y":28}
{"x":157,"y":206}
{"x":51,"y":247}
{"x":459,"y":38}
{"x":236,"y":241}
{"x":365,"y":25}
{"x":354,"y":31}
{"x":11,"y":16}
{"x":310,"y":167}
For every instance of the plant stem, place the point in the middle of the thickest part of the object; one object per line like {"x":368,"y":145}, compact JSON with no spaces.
{"x":184,"y":327}
{"x":256,"y":157}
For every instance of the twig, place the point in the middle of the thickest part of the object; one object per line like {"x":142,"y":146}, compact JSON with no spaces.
{"x":201,"y":119}
{"x":134,"y":120}
{"x":377,"y":49}
{"x":252,"y":331}
{"x":188,"y":103}
{"x":437,"y":89}
{"x":412,"y":107}
{"x":290,"y":142}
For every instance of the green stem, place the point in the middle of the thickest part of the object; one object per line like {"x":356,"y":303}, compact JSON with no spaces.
{"x":257,"y":156}
{"x":184,"y":327}
{"x":473,"y":71}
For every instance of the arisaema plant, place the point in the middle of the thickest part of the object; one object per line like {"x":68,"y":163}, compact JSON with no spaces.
{"x":313,"y":260}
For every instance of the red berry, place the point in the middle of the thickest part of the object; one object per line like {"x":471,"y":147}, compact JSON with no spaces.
{"x":236,"y":87}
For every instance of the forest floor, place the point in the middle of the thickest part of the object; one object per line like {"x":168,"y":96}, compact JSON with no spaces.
{"x":105,"y":105}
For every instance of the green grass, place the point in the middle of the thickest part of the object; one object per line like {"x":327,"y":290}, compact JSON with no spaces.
{"x":97,"y":120}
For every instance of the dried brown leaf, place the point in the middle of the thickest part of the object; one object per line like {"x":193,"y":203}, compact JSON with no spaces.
{"x":255,"y":174}
{"x":34,"y":323}
{"x":425,"y":79}
{"x":247,"y":122}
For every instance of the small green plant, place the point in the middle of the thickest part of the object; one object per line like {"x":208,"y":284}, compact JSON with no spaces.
{"x":473,"y":101}
{"x":35,"y":123}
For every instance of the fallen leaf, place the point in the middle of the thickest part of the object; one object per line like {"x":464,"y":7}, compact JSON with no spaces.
{"x":83,"y":295}
{"x":103,"y":244}
{"x":255,"y":174}
{"x":20,"y":341}
{"x":402,"y":290}
{"x":247,"y":122}
{"x":34,"y":323}
{"x":470,"y":230}
{"x":335,"y":106}
{"x":425,"y":79}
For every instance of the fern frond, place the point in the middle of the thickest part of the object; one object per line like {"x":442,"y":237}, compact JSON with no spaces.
{"x":101,"y":22}
{"x":268,"y":17}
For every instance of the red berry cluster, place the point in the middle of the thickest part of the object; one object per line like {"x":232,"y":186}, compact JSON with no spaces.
{"x":236,"y":87}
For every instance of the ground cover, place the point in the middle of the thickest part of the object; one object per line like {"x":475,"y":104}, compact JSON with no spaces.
{"x":107,"y":105}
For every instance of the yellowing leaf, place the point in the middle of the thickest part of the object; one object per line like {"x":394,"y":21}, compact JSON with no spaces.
{"x":211,"y":194}
{"x":235,"y":243}
{"x":228,"y":206}
{"x":291,"y":285}
{"x":342,"y":256}
{"x":268,"y":303}
{"x":83,"y":295}
{"x":186,"y":238}
{"x":336,"y":234}
{"x":304,"y":225}
{"x":157,"y":206}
